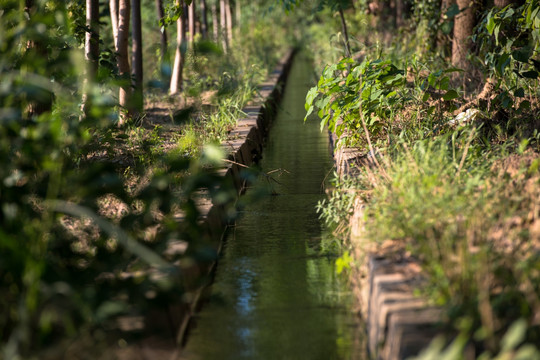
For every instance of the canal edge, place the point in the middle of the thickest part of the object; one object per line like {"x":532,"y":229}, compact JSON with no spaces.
{"x":399,"y":324}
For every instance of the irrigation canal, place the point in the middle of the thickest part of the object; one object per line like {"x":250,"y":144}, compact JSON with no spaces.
{"x":276,"y":295}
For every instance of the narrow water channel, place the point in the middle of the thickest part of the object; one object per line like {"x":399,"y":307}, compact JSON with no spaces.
{"x":276,"y":296}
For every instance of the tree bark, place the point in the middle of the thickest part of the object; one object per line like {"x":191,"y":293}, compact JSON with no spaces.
{"x":191,"y":23}
{"x":463,"y":29}
{"x":122,"y":57}
{"x":204,"y":19}
{"x":223,"y":28}
{"x":215,"y":23}
{"x":163,"y":32}
{"x":113,"y":9}
{"x":238,"y":10}
{"x":91,"y":52}
{"x":502,"y":3}
{"x":91,"y":44}
{"x":137,"y":57}
{"x":179,"y":59}
{"x":228,"y":20}
{"x":400,"y":13}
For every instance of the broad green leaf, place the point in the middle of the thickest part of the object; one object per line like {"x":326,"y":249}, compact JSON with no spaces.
{"x":527,"y":352}
{"x":519,"y":92}
{"x":536,"y":64}
{"x":309,"y":110}
{"x":452,"y":11}
{"x":525,"y":105}
{"x":530,"y":74}
{"x":444,"y":83}
{"x":522,"y":55}
{"x":450,"y":95}
{"x":515,"y":335}
{"x":311,"y":95}
{"x":490,"y":25}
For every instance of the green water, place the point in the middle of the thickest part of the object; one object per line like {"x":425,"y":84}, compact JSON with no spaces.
{"x":275,"y":295}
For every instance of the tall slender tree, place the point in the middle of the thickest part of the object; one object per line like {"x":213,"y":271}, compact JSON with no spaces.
{"x":137,"y":57}
{"x":238,"y":12}
{"x":228,"y":21}
{"x":91,"y":45}
{"x":163,"y":32}
{"x":223,"y":26}
{"x":91,"y":50}
{"x":122,"y":58}
{"x":204,"y":19}
{"x":179,"y":58}
{"x":191,"y":23}
{"x":113,"y":9}
{"x":215,"y":22}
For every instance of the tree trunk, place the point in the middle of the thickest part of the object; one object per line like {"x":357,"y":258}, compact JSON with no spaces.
{"x":502,"y":3}
{"x":223,"y":27}
{"x":204,"y":19}
{"x":400,"y":13}
{"x":191,"y":23}
{"x":91,"y":44}
{"x":163,"y":32}
{"x":215,"y":23}
{"x":463,"y":29}
{"x":91,"y":51}
{"x":137,"y":57}
{"x":113,"y":9}
{"x":122,"y":57}
{"x":228,"y":20}
{"x":178,"y":67}
{"x":238,"y":10}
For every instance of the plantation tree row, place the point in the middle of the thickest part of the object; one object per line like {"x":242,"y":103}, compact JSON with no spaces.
{"x":191,"y":18}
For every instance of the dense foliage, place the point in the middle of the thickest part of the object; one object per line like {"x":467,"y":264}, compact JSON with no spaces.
{"x":450,"y":165}
{"x":89,"y":210}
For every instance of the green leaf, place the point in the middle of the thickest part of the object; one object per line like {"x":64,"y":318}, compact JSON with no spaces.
{"x":444,"y":83}
{"x":450,"y":95}
{"x":343,"y":262}
{"x":496,"y":33}
{"x":527,"y":352}
{"x":525,"y":105}
{"x":309,"y":110}
{"x":536,"y":64}
{"x":490,"y":24}
{"x":515,"y":335}
{"x":502,"y":63}
{"x":519,"y":92}
{"x":530,"y":74}
{"x":522,"y":55}
{"x":425,"y":97}
{"x":452,"y":11}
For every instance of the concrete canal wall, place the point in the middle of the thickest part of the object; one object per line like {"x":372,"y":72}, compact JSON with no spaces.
{"x":399,"y":324}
